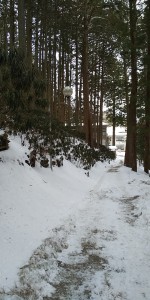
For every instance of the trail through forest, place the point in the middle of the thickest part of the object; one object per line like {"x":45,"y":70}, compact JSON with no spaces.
{"x":101,"y":252}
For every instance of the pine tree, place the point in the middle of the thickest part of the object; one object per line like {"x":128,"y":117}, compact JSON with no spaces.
{"x":147,"y":98}
{"x":130,"y":155}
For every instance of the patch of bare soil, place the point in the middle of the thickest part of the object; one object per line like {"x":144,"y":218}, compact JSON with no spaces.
{"x":64,"y":274}
{"x":145,"y":182}
{"x":130,"y":209}
{"x":115,"y":168}
{"x":73,"y":275}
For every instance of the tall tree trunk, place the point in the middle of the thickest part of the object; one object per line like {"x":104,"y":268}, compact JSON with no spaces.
{"x":21,"y":26}
{"x":77,"y":82}
{"x":130,"y":156}
{"x":81,"y":113}
{"x":45,"y":48}
{"x":12,"y":25}
{"x":87,"y":115}
{"x":126,"y":93}
{"x":54,"y":74}
{"x":50,"y":78}
{"x":147,"y":99}
{"x":101,"y":105}
{"x":29,"y":32}
{"x":62,"y":102}
{"x":98,"y":102}
{"x":114,"y":122}
{"x":36,"y":53}
{"x":5,"y":26}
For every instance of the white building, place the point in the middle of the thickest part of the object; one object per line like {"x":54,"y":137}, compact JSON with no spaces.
{"x":120,"y":137}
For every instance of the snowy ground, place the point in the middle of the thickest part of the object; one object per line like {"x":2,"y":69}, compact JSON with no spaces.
{"x":67,"y":236}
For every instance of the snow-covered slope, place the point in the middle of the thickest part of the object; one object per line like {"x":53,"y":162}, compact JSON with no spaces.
{"x":32,"y":201}
{"x":64,"y":235}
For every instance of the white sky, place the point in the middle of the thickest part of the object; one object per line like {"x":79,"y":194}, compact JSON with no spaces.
{"x":97,"y":228}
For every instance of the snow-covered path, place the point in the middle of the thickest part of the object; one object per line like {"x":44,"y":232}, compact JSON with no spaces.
{"x":101,"y":252}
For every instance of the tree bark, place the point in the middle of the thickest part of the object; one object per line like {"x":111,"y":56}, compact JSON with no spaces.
{"x":101,"y":104}
{"x":77,"y":82}
{"x":29,"y":33}
{"x":114,"y":122}
{"x":87,"y":115}
{"x":21,"y":26}
{"x":130,"y":156}
{"x":147,"y":99}
{"x":12,"y":25}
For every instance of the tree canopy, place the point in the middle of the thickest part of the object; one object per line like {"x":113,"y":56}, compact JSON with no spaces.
{"x":100,"y":48}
